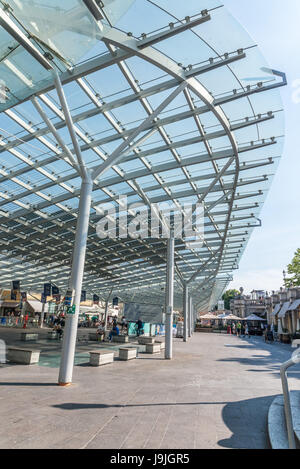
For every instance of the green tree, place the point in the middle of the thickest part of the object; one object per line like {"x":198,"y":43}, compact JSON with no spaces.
{"x":294,"y":271}
{"x":229,"y":295}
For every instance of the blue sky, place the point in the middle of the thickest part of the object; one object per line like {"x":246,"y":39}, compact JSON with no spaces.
{"x":274,"y":26}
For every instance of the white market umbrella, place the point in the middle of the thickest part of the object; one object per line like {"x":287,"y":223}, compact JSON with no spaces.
{"x":208,"y":316}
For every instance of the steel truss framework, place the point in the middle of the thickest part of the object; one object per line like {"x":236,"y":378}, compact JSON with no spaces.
{"x":166,"y":140}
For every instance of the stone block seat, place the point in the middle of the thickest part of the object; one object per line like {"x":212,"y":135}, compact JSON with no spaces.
{"x":29,"y":336}
{"x":120,"y":339}
{"x":101,"y":357}
{"x":23,"y":356}
{"x":153,"y":348}
{"x":93,"y":337}
{"x":161,"y":342}
{"x":127,"y":353}
{"x":144,"y":340}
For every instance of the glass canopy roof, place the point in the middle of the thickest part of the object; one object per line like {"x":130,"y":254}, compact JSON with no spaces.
{"x":219,"y":140}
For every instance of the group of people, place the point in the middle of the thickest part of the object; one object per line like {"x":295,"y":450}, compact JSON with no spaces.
{"x":115,"y":330}
{"x":239,"y":329}
{"x":58,"y":325}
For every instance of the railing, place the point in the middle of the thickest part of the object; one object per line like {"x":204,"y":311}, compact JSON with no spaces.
{"x":294,"y":360}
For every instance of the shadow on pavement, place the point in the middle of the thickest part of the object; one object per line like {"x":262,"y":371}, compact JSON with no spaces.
{"x":247,"y":421}
{"x":27,"y":384}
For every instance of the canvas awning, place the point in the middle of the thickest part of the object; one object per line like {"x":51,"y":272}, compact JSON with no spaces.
{"x":254,"y":317}
{"x":276,"y":309}
{"x":36,"y":306}
{"x":91,"y":310}
{"x":294,"y":305}
{"x":284,"y":309}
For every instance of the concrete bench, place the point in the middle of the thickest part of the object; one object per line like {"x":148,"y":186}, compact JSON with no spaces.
{"x":161,"y":343}
{"x":153,"y":348}
{"x":143,"y":340}
{"x":29,"y":336}
{"x":101,"y":357}
{"x":93,"y":337}
{"x":127,"y":353}
{"x":296,"y":343}
{"x":23,"y":356}
{"x":120,"y":339}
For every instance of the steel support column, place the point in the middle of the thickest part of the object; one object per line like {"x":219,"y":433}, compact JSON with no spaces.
{"x":169,"y":298}
{"x":185,"y":311}
{"x":42,"y":316}
{"x":70,"y":332}
{"x":190,"y":316}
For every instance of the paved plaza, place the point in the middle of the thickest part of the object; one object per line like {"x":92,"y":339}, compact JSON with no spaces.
{"x":215,"y":393}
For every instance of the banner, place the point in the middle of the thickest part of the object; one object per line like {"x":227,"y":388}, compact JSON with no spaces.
{"x":16,"y":285}
{"x":47,"y":289}
{"x":96,"y":299}
{"x":83,"y":296}
{"x":115,"y":301}
{"x":152,"y":314}
{"x":55,"y":290}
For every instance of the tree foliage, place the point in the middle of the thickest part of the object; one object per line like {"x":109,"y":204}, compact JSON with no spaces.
{"x":229,"y":295}
{"x":294,"y":271}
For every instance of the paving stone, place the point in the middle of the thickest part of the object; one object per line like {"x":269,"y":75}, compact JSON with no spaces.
{"x":215,"y":393}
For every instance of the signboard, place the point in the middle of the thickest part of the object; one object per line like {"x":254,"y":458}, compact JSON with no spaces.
{"x":71,"y":310}
{"x":68,"y":298}
{"x":152,"y":314}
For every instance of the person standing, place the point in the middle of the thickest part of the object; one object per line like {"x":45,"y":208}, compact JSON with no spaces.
{"x":124,"y":324}
{"x":247,"y":331}
{"x":139,"y":326}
